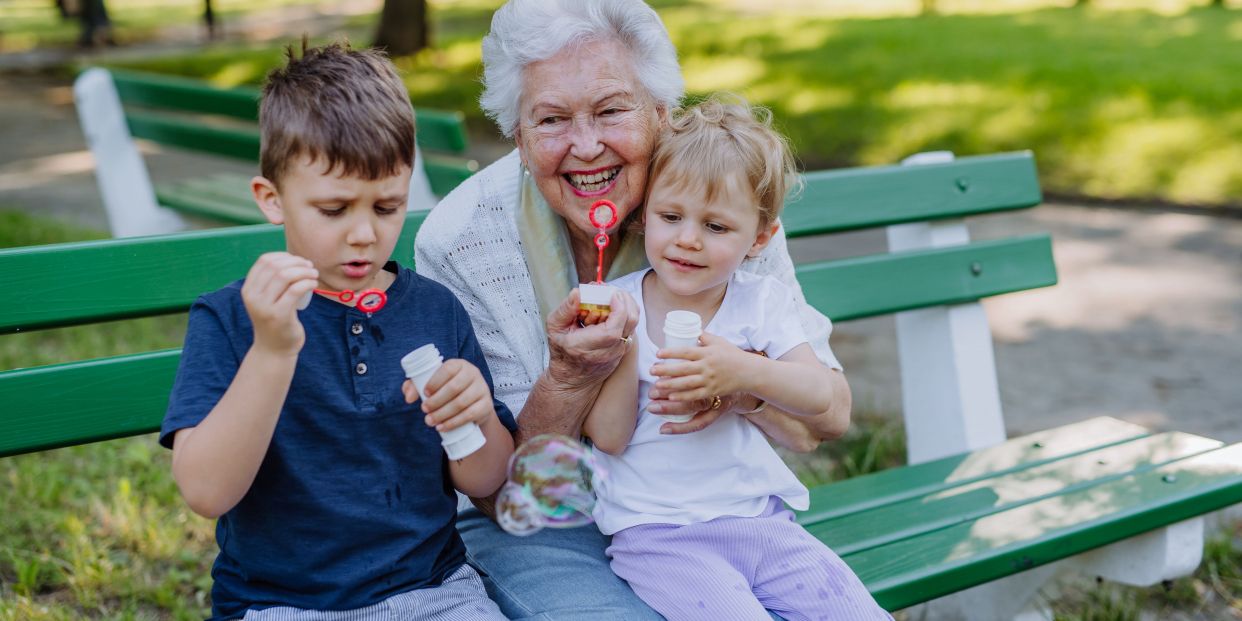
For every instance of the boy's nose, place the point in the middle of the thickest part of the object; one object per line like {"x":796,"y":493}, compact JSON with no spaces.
{"x":362,"y":232}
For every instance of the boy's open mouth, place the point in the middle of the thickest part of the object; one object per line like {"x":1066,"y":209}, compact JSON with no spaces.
{"x":357,"y":269}
{"x":592,"y":182}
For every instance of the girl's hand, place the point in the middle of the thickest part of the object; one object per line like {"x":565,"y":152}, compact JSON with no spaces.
{"x":274,"y":286}
{"x":457,"y":395}
{"x":716,"y":368}
{"x":588,"y":353}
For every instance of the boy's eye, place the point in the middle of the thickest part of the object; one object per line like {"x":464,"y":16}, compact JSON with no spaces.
{"x":384,"y":210}
{"x":332,"y":212}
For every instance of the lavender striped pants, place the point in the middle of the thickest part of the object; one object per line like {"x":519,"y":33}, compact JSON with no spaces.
{"x":737,"y":567}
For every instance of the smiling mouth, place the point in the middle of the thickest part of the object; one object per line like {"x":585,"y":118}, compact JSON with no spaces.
{"x":593,"y":182}
{"x":685,"y":264}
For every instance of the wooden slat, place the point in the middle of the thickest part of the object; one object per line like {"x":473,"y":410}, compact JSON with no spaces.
{"x":858,"y":198}
{"x":137,"y":276}
{"x":152,"y":90}
{"x":951,"y":559}
{"x":437,"y":130}
{"x":76,"y":403}
{"x":190,"y":197}
{"x":240,"y":143}
{"x":927,"y":513}
{"x":445,"y":173}
{"x":888,"y":283}
{"x":891,"y":486}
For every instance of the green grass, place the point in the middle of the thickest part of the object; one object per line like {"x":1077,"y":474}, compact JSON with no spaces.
{"x":1116,"y":104}
{"x":96,"y":531}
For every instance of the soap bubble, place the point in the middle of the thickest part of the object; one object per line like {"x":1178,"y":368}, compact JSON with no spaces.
{"x":550,"y":485}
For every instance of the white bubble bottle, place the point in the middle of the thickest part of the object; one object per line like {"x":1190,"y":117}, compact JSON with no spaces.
{"x":681,"y":329}
{"x":419,"y":366}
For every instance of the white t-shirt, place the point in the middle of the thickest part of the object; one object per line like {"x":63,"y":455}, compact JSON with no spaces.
{"x":729,"y":468}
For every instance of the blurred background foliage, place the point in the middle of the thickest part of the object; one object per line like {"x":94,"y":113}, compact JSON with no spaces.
{"x":1133,"y":101}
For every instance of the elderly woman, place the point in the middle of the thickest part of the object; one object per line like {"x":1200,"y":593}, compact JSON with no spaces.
{"x":582,"y":87}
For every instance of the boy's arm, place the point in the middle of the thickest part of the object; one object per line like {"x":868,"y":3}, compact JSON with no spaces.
{"x":457,"y":394}
{"x":215,"y":462}
{"x":610,"y":423}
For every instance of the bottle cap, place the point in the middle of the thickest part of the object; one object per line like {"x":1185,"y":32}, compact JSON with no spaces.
{"x":420,"y":364}
{"x":595,"y":294}
{"x":683,"y":324}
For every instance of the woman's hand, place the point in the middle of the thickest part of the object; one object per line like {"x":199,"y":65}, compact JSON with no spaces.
{"x":588,"y":353}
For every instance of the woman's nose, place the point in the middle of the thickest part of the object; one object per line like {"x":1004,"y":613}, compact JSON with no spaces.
{"x":585,"y":142}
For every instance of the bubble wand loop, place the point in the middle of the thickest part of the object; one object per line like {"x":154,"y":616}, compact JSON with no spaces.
{"x":603,"y":215}
{"x":369,"y":300}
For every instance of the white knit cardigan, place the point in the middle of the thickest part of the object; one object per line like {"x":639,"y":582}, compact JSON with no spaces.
{"x":470,"y":243}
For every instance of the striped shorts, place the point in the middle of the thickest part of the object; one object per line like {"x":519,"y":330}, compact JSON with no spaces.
{"x":460,"y":597}
{"x":738,"y":568}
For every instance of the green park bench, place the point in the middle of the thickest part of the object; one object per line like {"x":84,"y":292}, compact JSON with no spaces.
{"x":977,"y":517}
{"x":116,"y":106}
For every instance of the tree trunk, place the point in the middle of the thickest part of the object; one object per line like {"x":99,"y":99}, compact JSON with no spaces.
{"x":403,"y":27}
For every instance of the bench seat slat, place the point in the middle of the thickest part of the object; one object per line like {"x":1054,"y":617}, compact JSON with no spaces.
{"x":125,"y":278}
{"x":858,"y":198}
{"x":80,"y":402}
{"x":196,"y":197}
{"x":914,"y":570}
{"x":880,"y":526}
{"x":888,"y":283}
{"x":891,"y":486}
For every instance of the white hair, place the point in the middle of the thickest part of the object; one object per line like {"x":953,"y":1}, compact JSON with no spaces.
{"x":528,"y":31}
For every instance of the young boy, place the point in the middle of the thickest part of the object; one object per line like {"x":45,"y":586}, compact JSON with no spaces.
{"x":698,"y":522}
{"x":295,"y":427}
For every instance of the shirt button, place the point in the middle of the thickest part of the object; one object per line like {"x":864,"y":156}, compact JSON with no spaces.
{"x":361,"y":369}
{"x":356,"y":328}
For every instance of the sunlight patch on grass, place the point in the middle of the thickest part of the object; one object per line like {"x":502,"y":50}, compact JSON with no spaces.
{"x":920,"y":95}
{"x":811,"y":100}
{"x":717,"y":73}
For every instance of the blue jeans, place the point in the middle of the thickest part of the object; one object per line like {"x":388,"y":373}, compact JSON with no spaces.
{"x":552,"y":575}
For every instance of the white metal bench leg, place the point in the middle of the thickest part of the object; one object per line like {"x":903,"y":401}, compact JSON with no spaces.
{"x":1147,"y":559}
{"x":125,"y":186}
{"x":950,"y":397}
{"x":1008,"y":598}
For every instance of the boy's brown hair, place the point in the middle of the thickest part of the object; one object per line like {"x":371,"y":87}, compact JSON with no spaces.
{"x":706,"y":142}
{"x":347,"y":107}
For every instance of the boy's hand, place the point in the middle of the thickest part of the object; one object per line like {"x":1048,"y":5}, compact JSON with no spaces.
{"x":715,"y":368}
{"x":456,"y":394}
{"x":273,"y":288}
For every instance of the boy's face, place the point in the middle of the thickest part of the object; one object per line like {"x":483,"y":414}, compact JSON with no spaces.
{"x":347,"y":226}
{"x":695,"y":245}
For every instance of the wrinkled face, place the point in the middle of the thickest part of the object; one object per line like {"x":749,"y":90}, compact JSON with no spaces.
{"x":586,"y":130}
{"x":346,"y":226}
{"x":695,"y":245}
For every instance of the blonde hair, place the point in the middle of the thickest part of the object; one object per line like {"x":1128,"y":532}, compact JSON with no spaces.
{"x":706,"y":142}
{"x":346,"y":106}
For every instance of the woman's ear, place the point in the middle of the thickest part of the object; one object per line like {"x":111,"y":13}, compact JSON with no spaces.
{"x":762,"y":238}
{"x":267,"y":197}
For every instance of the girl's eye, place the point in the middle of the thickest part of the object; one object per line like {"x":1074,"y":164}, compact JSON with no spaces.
{"x":670,"y":217}
{"x":717,"y":228}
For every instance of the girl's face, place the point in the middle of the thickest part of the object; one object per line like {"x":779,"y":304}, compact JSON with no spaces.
{"x":586,"y":130}
{"x":693,"y":244}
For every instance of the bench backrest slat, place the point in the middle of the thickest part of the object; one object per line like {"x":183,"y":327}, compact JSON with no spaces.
{"x":115,"y":391}
{"x":236,"y":142}
{"x":438,"y":130}
{"x":137,"y":276}
{"x":859,"y":198}
{"x":889,"y":283}
{"x":77,"y":403}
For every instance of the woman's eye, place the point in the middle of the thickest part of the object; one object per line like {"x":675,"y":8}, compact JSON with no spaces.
{"x":610,"y":111}
{"x":549,"y":120}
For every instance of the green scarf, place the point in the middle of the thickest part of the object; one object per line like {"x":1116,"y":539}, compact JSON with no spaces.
{"x":545,"y":242}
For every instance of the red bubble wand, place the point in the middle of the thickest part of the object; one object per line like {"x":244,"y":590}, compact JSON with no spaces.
{"x":603,"y":215}
{"x":369,"y":300}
